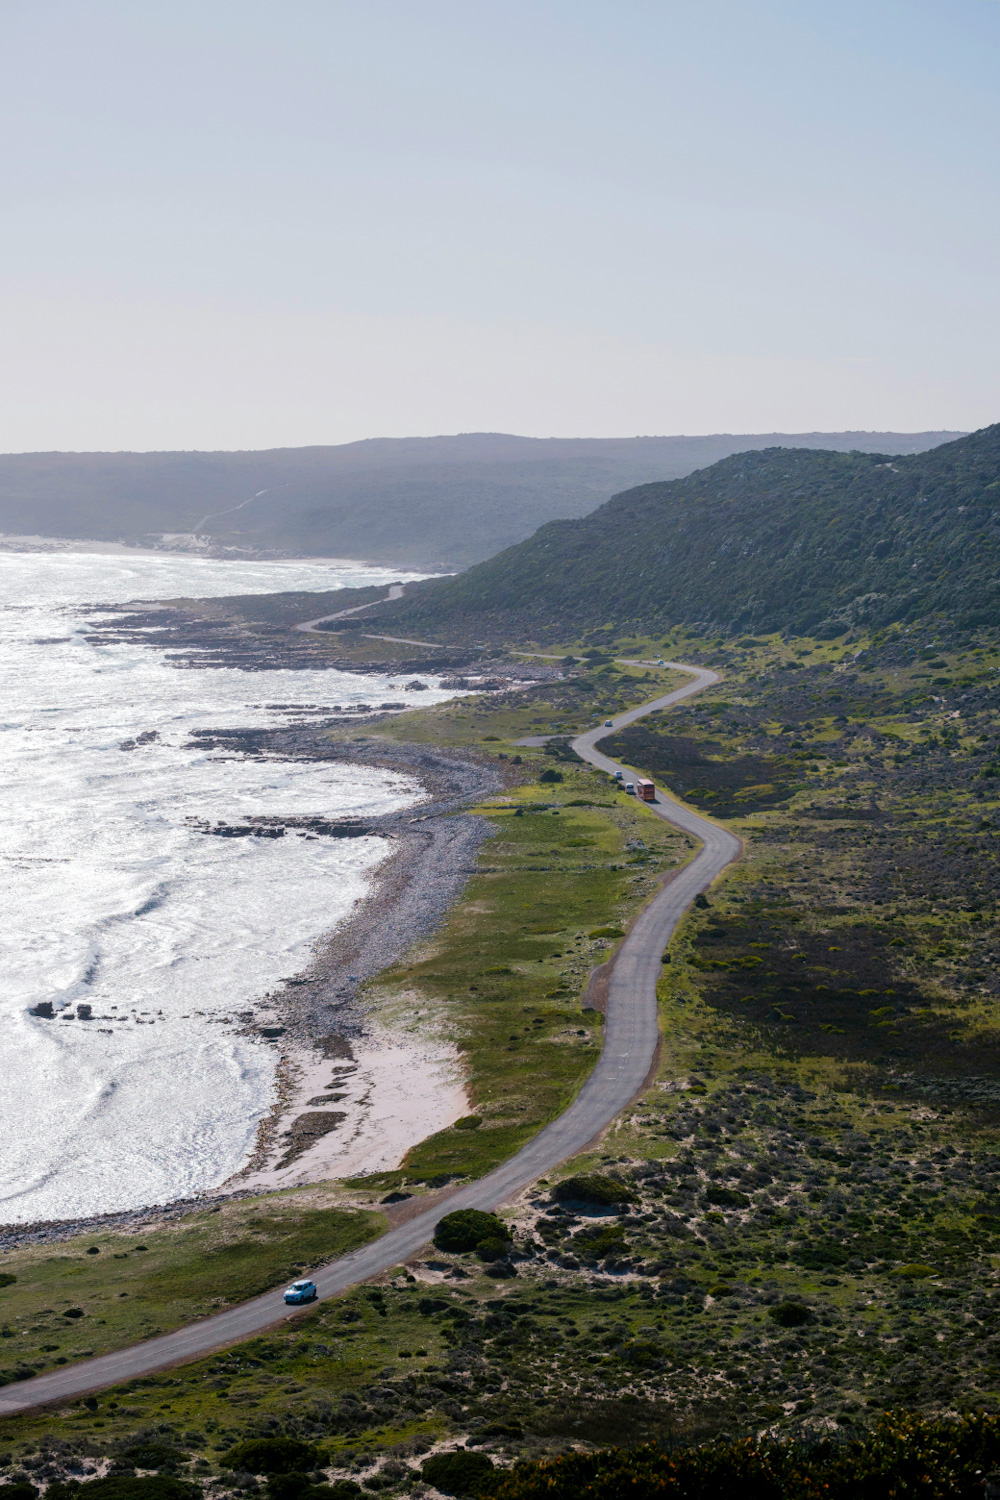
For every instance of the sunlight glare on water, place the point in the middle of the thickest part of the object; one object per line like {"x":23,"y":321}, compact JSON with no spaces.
{"x":112,"y":898}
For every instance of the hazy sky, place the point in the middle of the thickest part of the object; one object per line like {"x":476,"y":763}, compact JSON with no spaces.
{"x":254,"y":223}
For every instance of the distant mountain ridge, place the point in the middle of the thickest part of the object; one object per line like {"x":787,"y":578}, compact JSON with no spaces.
{"x":436,"y":503}
{"x":804,"y":541}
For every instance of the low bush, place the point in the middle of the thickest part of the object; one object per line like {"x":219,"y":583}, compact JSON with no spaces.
{"x":459,"y":1473}
{"x":125,"y":1487}
{"x":272,"y":1455}
{"x":903,"y":1457}
{"x":594,"y":1188}
{"x":152,"y":1455}
{"x":790,"y":1314}
{"x":466,"y":1229}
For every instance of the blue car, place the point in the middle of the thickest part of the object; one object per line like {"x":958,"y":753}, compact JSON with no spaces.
{"x":301,"y":1291}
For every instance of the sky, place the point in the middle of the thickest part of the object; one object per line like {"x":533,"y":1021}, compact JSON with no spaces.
{"x":266,"y":223}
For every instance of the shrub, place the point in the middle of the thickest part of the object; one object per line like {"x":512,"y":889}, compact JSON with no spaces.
{"x":790,"y":1314}
{"x":7,"y":1279}
{"x":272,"y":1455}
{"x":607,"y":932}
{"x":469,"y":1122}
{"x":903,"y":1455}
{"x":914,"y":1271}
{"x":467,"y":1228}
{"x":152,"y":1455}
{"x":125,"y":1487}
{"x":549,"y":774}
{"x":298,"y":1486}
{"x":493,"y":1248}
{"x":458,"y":1473}
{"x":727,"y":1197}
{"x":593,"y":1188}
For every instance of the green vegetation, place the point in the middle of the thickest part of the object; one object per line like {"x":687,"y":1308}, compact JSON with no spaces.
{"x":458,"y":1473}
{"x":468,"y":1229}
{"x":903,"y":1458}
{"x":799,"y":540}
{"x":594,"y":1187}
{"x":810,"y":1232}
{"x":510,"y":967}
{"x":438,"y":502}
{"x":272,"y":1455}
{"x":69,"y":1303}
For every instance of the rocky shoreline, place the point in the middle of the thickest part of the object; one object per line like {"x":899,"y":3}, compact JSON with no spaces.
{"x":320,"y":1012}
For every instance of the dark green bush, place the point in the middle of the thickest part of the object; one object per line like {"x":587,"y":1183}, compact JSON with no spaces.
{"x":903,"y":1457}
{"x":467,"y":1228}
{"x":272,"y":1455}
{"x":125,"y":1487}
{"x":594,"y":1188}
{"x":290,"y":1486}
{"x":551,"y":775}
{"x":790,"y":1314}
{"x":493,"y":1248}
{"x":458,"y":1473}
{"x":152,"y":1455}
{"x":727,"y":1197}
{"x":7,"y":1278}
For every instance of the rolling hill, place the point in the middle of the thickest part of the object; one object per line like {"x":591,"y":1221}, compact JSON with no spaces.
{"x":799,"y":540}
{"x":434,"y":503}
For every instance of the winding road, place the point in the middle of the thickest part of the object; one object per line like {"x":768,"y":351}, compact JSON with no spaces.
{"x":630,"y":1039}
{"x":311,"y":627}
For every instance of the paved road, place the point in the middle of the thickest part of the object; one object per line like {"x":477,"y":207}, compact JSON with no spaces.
{"x":311,"y":627}
{"x":630,"y":1038}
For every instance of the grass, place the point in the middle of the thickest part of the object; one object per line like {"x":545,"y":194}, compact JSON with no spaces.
{"x":511,"y":965}
{"x":824,"y":1117}
{"x":98,"y":1292}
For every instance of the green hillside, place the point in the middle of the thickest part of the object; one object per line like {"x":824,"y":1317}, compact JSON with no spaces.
{"x":798,"y":540}
{"x":433,"y":503}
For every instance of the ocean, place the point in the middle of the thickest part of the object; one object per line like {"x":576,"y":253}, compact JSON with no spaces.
{"x":112,"y":898}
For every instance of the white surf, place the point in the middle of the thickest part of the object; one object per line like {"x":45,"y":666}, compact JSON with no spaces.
{"x":112,"y":898}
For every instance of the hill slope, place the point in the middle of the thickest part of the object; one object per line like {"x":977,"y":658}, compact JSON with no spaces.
{"x":796,"y":540}
{"x":436,"y":503}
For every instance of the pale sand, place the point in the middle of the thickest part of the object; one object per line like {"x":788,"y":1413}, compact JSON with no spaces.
{"x":399,"y":1087}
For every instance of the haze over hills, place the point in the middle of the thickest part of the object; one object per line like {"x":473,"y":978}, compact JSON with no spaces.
{"x":804,"y":541}
{"x":438,"y":503}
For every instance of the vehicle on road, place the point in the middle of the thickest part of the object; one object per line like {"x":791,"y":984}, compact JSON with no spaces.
{"x":619,"y":775}
{"x":645,"y":789}
{"x":609,"y":723}
{"x":630,"y":788}
{"x":301,"y":1291}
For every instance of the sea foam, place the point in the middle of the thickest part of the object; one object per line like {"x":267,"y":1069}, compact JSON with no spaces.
{"x":113,"y":898}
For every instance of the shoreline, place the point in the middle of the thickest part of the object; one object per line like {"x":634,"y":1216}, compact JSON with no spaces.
{"x":321,"y":1011}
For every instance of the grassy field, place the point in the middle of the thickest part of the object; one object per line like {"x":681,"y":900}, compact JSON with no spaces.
{"x":569,"y":862}
{"x":88,"y":1295}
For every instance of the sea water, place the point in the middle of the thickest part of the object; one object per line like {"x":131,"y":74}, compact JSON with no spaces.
{"x":113,"y":898}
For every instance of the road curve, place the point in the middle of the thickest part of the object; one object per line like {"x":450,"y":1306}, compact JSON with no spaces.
{"x":630,"y":1038}
{"x":311,"y":627}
